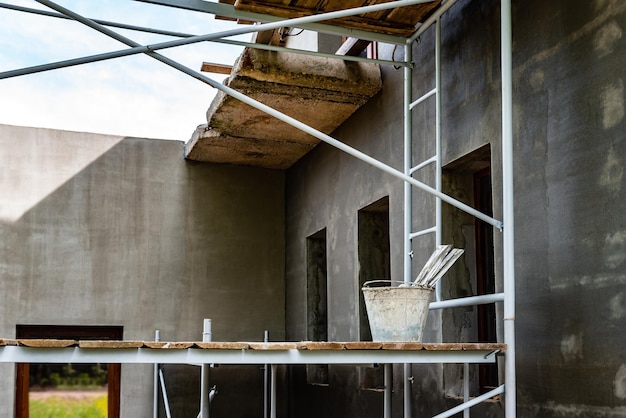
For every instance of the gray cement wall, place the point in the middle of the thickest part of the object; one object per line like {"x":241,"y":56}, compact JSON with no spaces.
{"x":571,"y":208}
{"x":102,"y":230}
{"x":570,"y":241}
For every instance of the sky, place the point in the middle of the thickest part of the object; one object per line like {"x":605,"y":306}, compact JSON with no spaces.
{"x":130,"y":96}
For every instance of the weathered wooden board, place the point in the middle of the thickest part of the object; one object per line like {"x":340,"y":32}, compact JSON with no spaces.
{"x":364,"y":345}
{"x":402,"y":346}
{"x":321,"y":345}
{"x":174,"y":345}
{"x":401,"y":21}
{"x":47,"y":343}
{"x":443,"y":346}
{"x":273,"y":346}
{"x":223,"y":345}
{"x":483,"y":346}
{"x":110,"y":344}
{"x":212,"y":67}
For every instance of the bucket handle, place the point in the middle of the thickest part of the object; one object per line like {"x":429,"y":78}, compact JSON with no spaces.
{"x":389,"y":283}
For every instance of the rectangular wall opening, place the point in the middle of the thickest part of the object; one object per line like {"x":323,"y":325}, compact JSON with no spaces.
{"x":374,"y":255}
{"x":75,"y":387}
{"x":469,"y":180}
{"x":485,"y":274}
{"x":317,"y":300}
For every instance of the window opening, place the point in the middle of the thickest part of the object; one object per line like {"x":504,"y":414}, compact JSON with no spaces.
{"x":469,"y":180}
{"x":89,"y":387}
{"x":374,"y":255}
{"x":317,"y":301}
{"x":485,"y":275}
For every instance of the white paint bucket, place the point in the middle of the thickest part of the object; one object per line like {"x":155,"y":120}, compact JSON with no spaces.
{"x":396,"y":313}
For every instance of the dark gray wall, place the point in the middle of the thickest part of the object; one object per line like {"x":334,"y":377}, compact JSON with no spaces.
{"x":103,"y":230}
{"x":570,"y":204}
{"x":571,"y":244}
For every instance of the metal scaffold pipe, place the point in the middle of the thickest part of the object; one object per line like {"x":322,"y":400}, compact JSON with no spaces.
{"x":279,"y":115}
{"x":207,"y":336}
{"x":166,"y":401}
{"x":438,"y":143}
{"x":264,"y":47}
{"x":136,"y":48}
{"x":149,"y":50}
{"x":266,"y":338}
{"x":408,"y":206}
{"x":155,"y":406}
{"x":508,"y":212}
{"x":388,"y":381}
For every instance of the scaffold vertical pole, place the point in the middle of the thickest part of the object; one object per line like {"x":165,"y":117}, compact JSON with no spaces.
{"x":155,"y":406}
{"x":438,"y":146}
{"x":273,"y":386}
{"x":266,"y":338}
{"x":508,"y":208}
{"x":205,"y":368}
{"x":388,"y":380}
{"x":408,"y":201}
{"x":466,"y":388}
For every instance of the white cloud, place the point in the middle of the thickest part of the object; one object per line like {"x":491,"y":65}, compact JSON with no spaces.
{"x":133,"y":96}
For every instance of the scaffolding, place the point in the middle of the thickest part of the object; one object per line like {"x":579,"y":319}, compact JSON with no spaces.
{"x":288,"y":354}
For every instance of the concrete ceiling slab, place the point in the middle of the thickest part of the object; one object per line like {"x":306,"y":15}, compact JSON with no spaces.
{"x":318,"y":91}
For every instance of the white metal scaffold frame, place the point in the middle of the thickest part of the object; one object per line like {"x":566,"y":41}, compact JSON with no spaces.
{"x":506,"y":226}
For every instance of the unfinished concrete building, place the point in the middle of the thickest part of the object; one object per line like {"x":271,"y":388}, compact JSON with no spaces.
{"x":341,"y":155}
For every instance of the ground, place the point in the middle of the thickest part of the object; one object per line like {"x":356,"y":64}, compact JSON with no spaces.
{"x":79,"y":395}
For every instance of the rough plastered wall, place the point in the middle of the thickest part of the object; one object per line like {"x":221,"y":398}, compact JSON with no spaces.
{"x":570,"y":253}
{"x":571,"y":206}
{"x":104,"y":230}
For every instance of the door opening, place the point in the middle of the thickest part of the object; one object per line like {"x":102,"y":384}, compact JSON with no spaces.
{"x":485,"y":275}
{"x":469,"y":180}
{"x":374,"y":255}
{"x":36,"y":381}
{"x":317,"y":301}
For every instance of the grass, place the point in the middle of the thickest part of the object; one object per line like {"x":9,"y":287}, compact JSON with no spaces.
{"x":55,"y":407}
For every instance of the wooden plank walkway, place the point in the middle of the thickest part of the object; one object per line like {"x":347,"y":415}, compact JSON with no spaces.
{"x":263,"y":346}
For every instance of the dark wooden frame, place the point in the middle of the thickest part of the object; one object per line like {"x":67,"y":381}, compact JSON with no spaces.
{"x":75,"y":332}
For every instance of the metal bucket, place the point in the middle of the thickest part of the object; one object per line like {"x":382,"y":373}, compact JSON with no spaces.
{"x":396,"y":313}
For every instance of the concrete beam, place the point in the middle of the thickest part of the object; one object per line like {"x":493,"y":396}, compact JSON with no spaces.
{"x":318,"y":91}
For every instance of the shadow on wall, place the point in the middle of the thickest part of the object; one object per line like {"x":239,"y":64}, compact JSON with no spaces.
{"x":105,"y":229}
{"x":97,"y":229}
{"x":36,"y":162}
